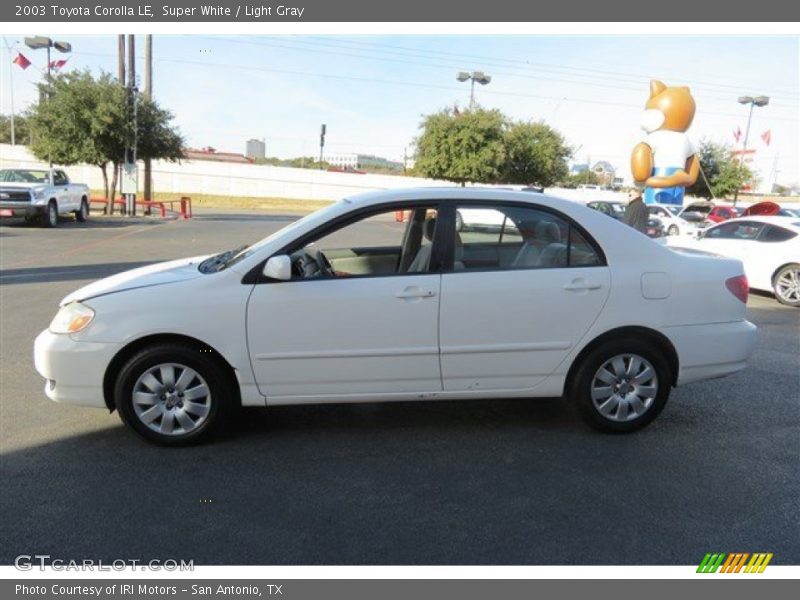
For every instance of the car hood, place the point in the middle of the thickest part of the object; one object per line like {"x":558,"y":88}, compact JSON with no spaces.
{"x":173,"y":271}
{"x":21,"y":185}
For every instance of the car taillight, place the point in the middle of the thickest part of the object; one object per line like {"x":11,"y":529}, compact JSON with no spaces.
{"x":739,"y":287}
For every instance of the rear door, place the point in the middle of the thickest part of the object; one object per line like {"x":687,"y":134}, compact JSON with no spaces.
{"x":509,"y":325}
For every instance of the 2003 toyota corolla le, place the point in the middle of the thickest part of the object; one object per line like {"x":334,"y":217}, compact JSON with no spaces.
{"x":350,"y":305}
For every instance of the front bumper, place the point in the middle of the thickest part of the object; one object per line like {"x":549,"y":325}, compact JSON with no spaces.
{"x":21,"y":209}
{"x":713,"y":350}
{"x":74,"y":370}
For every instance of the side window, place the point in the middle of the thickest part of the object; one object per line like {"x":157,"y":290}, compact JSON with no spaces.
{"x":771,"y":233}
{"x":59,"y":178}
{"x":726,"y":231}
{"x":519,"y":237}
{"x":389,"y":242}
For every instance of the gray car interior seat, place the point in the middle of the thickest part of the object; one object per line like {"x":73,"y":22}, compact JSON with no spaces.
{"x":532,"y":252}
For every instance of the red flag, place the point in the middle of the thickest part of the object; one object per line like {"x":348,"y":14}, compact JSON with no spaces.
{"x":57,"y":64}
{"x":767,"y":136}
{"x":20,"y":60}
{"x":737,"y":134}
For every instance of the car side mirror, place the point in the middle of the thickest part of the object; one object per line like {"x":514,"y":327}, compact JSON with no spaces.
{"x":278,"y":267}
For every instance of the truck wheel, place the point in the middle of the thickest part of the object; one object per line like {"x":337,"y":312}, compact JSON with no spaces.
{"x":83,"y":212}
{"x":50,"y":218}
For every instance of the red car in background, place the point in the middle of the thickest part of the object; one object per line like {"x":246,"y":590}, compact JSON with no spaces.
{"x":716,"y":213}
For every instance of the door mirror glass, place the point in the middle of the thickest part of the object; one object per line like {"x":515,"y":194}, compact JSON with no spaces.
{"x":278,"y":267}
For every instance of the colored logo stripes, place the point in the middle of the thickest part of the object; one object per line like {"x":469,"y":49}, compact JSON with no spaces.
{"x":735,"y":562}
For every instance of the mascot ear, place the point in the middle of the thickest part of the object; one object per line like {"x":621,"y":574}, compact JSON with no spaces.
{"x":656,"y":87}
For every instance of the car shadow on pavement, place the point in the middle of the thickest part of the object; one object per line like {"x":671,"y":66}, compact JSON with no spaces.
{"x":70,"y":273}
{"x":94,"y":222}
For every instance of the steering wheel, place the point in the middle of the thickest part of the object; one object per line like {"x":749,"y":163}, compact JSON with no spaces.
{"x":325,"y":266}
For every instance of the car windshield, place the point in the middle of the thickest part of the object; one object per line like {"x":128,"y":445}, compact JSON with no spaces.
{"x":673,"y":209}
{"x":24,"y":176}
{"x":223,"y":260}
{"x":617,"y":207}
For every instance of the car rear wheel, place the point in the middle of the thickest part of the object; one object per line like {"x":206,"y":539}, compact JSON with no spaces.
{"x":622,"y":385}
{"x":83,"y":212}
{"x":50,"y":217}
{"x":786,"y":285}
{"x":172,"y":395}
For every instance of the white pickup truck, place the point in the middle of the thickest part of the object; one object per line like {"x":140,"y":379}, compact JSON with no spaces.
{"x":42,"y":194}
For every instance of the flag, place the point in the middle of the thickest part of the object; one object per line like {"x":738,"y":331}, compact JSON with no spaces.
{"x":767,"y":136}
{"x":20,"y":60}
{"x":57,"y":64}
{"x":737,"y":134}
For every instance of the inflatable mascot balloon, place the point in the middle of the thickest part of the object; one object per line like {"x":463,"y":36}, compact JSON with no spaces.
{"x":665,"y":162}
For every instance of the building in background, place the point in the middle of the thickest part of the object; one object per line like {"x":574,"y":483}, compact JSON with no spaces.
{"x":209,"y":153}
{"x":605,"y":172}
{"x":255,"y":149}
{"x":362,"y":161}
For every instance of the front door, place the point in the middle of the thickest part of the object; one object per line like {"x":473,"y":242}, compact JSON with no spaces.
{"x":359,"y":317}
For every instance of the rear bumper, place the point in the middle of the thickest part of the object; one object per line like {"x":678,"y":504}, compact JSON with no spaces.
{"x":714,"y":350}
{"x":74,"y":370}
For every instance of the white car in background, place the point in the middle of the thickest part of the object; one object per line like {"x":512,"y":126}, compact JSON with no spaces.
{"x":673,"y":224}
{"x":346,"y":305}
{"x":42,"y":195}
{"x":769,"y":248}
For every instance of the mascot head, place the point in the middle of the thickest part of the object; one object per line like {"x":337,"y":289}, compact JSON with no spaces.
{"x":668,"y":108}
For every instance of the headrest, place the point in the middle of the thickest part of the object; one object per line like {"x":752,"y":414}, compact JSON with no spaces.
{"x":428,"y":227}
{"x":547,"y":231}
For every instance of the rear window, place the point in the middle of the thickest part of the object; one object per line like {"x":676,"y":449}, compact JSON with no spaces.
{"x":776,"y":234}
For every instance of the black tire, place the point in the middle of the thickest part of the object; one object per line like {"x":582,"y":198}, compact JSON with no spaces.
{"x":221,"y":397}
{"x":582,"y":384}
{"x":673,"y":230}
{"x":50,"y":216}
{"x":784,"y":295}
{"x":82,"y":214}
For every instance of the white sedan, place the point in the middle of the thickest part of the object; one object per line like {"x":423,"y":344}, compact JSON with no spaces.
{"x":769,"y":248}
{"x":673,"y":224}
{"x":347,"y":305}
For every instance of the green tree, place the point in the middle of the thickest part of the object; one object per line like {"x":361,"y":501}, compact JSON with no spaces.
{"x":724,"y":174}
{"x":89,"y":120}
{"x":573,"y":180}
{"x":461,"y":147}
{"x":535,"y":153}
{"x":21,"y":130}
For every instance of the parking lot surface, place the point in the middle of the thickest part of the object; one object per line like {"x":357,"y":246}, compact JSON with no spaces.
{"x":479,"y":482}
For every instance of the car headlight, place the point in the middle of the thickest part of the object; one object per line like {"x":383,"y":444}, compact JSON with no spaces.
{"x":39,"y":194}
{"x":72,"y":318}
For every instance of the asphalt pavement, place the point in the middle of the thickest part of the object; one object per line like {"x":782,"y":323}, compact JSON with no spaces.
{"x":479,"y":482}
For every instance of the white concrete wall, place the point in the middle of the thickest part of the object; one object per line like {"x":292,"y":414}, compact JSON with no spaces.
{"x":228,"y":179}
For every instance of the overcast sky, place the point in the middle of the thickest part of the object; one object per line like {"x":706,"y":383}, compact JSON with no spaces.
{"x":372,"y":91}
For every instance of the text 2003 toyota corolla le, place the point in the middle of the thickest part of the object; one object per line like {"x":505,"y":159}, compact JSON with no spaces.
{"x":548,"y":298}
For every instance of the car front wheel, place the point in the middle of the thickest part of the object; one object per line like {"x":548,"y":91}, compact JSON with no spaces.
{"x":673,"y":230}
{"x":622,"y":385}
{"x":172,"y":395}
{"x":786,"y":285}
{"x":50,"y":217}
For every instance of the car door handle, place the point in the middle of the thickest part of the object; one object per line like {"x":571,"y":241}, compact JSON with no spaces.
{"x":581,"y":286}
{"x":414,"y":292}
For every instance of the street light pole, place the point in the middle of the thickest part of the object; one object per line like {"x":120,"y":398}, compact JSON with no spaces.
{"x":478,"y":76}
{"x":37,"y":42}
{"x":753,"y":102}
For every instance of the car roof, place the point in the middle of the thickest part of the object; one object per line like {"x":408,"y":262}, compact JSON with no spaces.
{"x":455,"y":194}
{"x":792,"y":223}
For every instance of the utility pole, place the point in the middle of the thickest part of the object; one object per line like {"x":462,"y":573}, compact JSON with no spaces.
{"x":322,"y":131}
{"x":121,"y":59}
{"x":148,"y":95}
{"x":130,"y":154}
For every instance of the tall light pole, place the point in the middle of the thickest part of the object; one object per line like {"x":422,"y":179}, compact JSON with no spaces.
{"x":475,"y":76}
{"x":37,"y":42}
{"x":753,"y":101}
